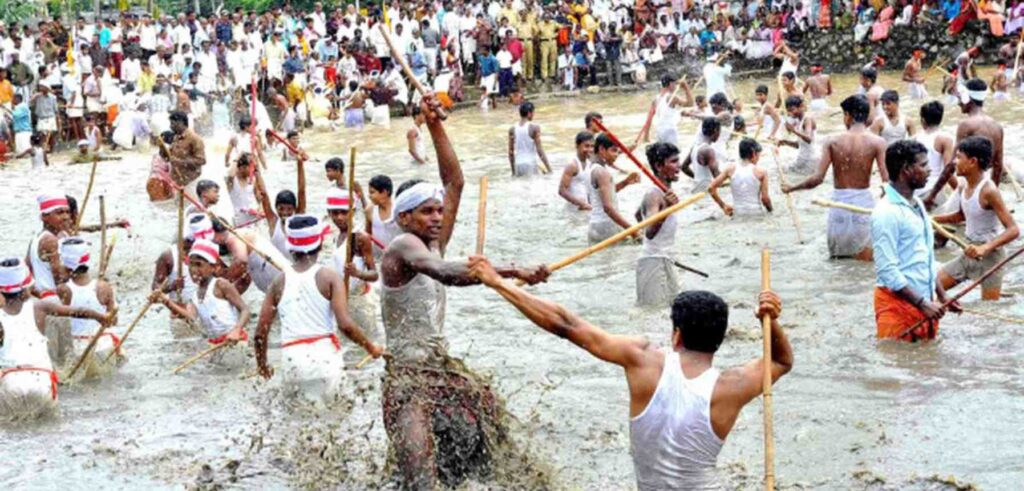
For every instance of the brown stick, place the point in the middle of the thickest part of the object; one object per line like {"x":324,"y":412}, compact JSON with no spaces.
{"x":103,"y":233}
{"x":622,"y":235}
{"x":106,"y":257}
{"x":149,"y":303}
{"x":647,"y":172}
{"x":481,"y":217}
{"x":350,"y":234}
{"x":857,"y":209}
{"x":181,"y":234}
{"x":88,"y":351}
{"x":88,"y":191}
{"x":766,"y":384}
{"x":789,"y":197}
{"x":405,"y":68}
{"x":990,"y":315}
{"x":968,"y":288}
{"x":201,"y":355}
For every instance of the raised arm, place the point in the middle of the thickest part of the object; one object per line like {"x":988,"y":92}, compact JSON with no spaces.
{"x":625,"y":351}
{"x":448,"y":165}
{"x":264,"y":199}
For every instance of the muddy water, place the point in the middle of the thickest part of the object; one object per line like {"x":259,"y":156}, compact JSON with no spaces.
{"x":854,"y":413}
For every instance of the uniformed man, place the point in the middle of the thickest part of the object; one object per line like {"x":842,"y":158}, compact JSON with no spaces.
{"x":547,"y":35}
{"x":526,"y":27}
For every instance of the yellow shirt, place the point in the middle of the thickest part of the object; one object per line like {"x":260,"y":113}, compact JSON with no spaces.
{"x":547,"y":31}
{"x":527,"y":30}
{"x":295,"y":94}
{"x":589,"y":25}
{"x":6,"y":92}
{"x":146,"y":82}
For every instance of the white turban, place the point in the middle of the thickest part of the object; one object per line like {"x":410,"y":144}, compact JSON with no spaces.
{"x":74,"y":252}
{"x":16,"y":278}
{"x":967,"y":95}
{"x":305,"y":239}
{"x":415,"y":196}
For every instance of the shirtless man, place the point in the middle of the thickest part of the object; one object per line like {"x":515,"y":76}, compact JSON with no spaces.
{"x":43,"y":260}
{"x":287,"y":114}
{"x":424,"y":391}
{"x":972,"y":102}
{"x":681,"y":408}
{"x":853,"y":152}
{"x":913,"y":77}
{"x":524,"y":145}
{"x":573,"y":185}
{"x":789,"y":85}
{"x":891,"y":124}
{"x":820,"y":86}
{"x":1000,"y":83}
{"x":869,"y":88}
{"x":965,"y":65}
{"x":703,"y":161}
{"x":656,"y":279}
{"x":414,"y":137}
{"x":605,"y":218}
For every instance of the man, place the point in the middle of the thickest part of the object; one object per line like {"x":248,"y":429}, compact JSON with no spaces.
{"x":768,"y":120}
{"x":414,"y":138}
{"x":940,"y":145}
{"x":802,"y":126}
{"x":901,"y":234}
{"x":43,"y":259}
{"x":605,"y":218}
{"x":912,"y":75}
{"x":524,"y":145}
{"x":656,"y":279}
{"x":664,"y":112}
{"x":547,"y":36}
{"x":715,"y":74}
{"x":425,"y":390}
{"x":186,"y":155}
{"x":526,"y":30}
{"x":869,"y":88}
{"x":573,"y":185}
{"x":820,"y":86}
{"x":311,"y":302}
{"x":891,"y":125}
{"x":965,"y":65}
{"x":982,"y":208}
{"x":853,"y":152}
{"x":681,"y":408}
{"x":972,"y":103}
{"x":702,"y":164}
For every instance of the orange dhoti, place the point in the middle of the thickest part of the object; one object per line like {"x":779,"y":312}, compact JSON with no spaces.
{"x":893,"y":315}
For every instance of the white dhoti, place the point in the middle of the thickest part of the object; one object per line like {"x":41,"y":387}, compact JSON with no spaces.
{"x":667,"y":134}
{"x":917,"y":91}
{"x":598,"y":231}
{"x":819,"y":105}
{"x":288,"y":121}
{"x":849,"y":233}
{"x":1001,"y":96}
{"x":656,"y":281}
{"x":527,"y":168}
{"x":160,"y":122}
{"x":95,"y":366}
{"x":27,"y":392}
{"x":489,"y":84}
{"x":381,"y":115}
{"x":313,"y":368}
{"x":22,"y":141}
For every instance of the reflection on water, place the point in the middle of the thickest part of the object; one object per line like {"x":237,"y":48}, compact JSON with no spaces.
{"x":853,"y":413}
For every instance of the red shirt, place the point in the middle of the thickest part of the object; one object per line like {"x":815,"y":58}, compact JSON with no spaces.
{"x":515,"y":46}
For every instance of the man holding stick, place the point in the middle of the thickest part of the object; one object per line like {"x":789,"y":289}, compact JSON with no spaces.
{"x":441,"y":419}
{"x":656,"y":280}
{"x":853,"y":152}
{"x":903,"y":241}
{"x":605,"y":218}
{"x":43,"y":260}
{"x":186,"y":154}
{"x":681,"y":408}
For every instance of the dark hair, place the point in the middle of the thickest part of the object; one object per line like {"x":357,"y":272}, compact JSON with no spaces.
{"x":901,"y":154}
{"x":977,"y":85}
{"x":739,"y":124}
{"x":525,"y":109}
{"x":870,"y":74}
{"x":167,"y":137}
{"x":583,"y":137}
{"x":286,"y":197}
{"x":709,"y":126}
{"x":335,"y":163}
{"x":789,"y":75}
{"x":658,"y":153}
{"x":218,"y":225}
{"x":590,"y":117}
{"x":382,"y":183}
{"x":179,"y":116}
{"x":794,"y":101}
{"x":748,"y":147}
{"x":701,"y":318}
{"x":205,"y":185}
{"x":891,"y":96}
{"x":244,"y":122}
{"x":602,"y":141}
{"x":406,"y":185}
{"x":718,"y":99}
{"x":698,"y":99}
{"x":761,"y":89}
{"x":931,"y":113}
{"x":666,"y":80}
{"x":977,"y":147}
{"x":857,"y":107}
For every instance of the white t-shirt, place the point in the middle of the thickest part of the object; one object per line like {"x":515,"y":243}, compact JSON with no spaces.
{"x":504,"y":59}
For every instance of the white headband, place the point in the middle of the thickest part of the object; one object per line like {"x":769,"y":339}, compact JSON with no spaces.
{"x":975,"y":95}
{"x":73,"y":253}
{"x":14,"y":279}
{"x":415,"y":196}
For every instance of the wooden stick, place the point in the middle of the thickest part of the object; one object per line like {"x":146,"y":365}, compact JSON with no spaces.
{"x":88,"y":351}
{"x":362,"y":363}
{"x":350,"y":234}
{"x":106,"y":257}
{"x":990,"y":315}
{"x":201,"y":355}
{"x":789,"y":197}
{"x":121,"y":223}
{"x":103,"y":233}
{"x":481,"y":217}
{"x":181,"y":233}
{"x":149,"y":303}
{"x":625,"y":150}
{"x":857,"y":209}
{"x":395,"y":55}
{"x":968,"y":288}
{"x":1015,"y":184}
{"x":623,"y":234}
{"x":692,"y":270}
{"x":766,"y":384}
{"x":88,"y":190}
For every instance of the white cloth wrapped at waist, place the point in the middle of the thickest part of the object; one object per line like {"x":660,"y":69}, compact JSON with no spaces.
{"x":849,"y":232}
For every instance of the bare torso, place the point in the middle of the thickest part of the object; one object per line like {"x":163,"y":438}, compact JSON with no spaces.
{"x":852,"y":154}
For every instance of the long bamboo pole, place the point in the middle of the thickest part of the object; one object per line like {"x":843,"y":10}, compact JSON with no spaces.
{"x":623,"y":234}
{"x":857,"y":209}
{"x":395,"y":55}
{"x":350,"y":234}
{"x":643,"y":168}
{"x":103,"y":234}
{"x":202,"y":354}
{"x":766,"y":383}
{"x":481,"y":217}
{"x":88,"y":351}
{"x":789,"y":197}
{"x":88,"y":191}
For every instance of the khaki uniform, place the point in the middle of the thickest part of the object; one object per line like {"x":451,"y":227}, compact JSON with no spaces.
{"x":527,"y":30}
{"x":547,"y":35}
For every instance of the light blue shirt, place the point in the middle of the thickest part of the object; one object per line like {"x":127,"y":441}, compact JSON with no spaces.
{"x":22,"y":118}
{"x":904,"y":252}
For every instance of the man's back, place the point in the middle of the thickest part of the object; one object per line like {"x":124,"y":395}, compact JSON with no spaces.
{"x":852,"y":154}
